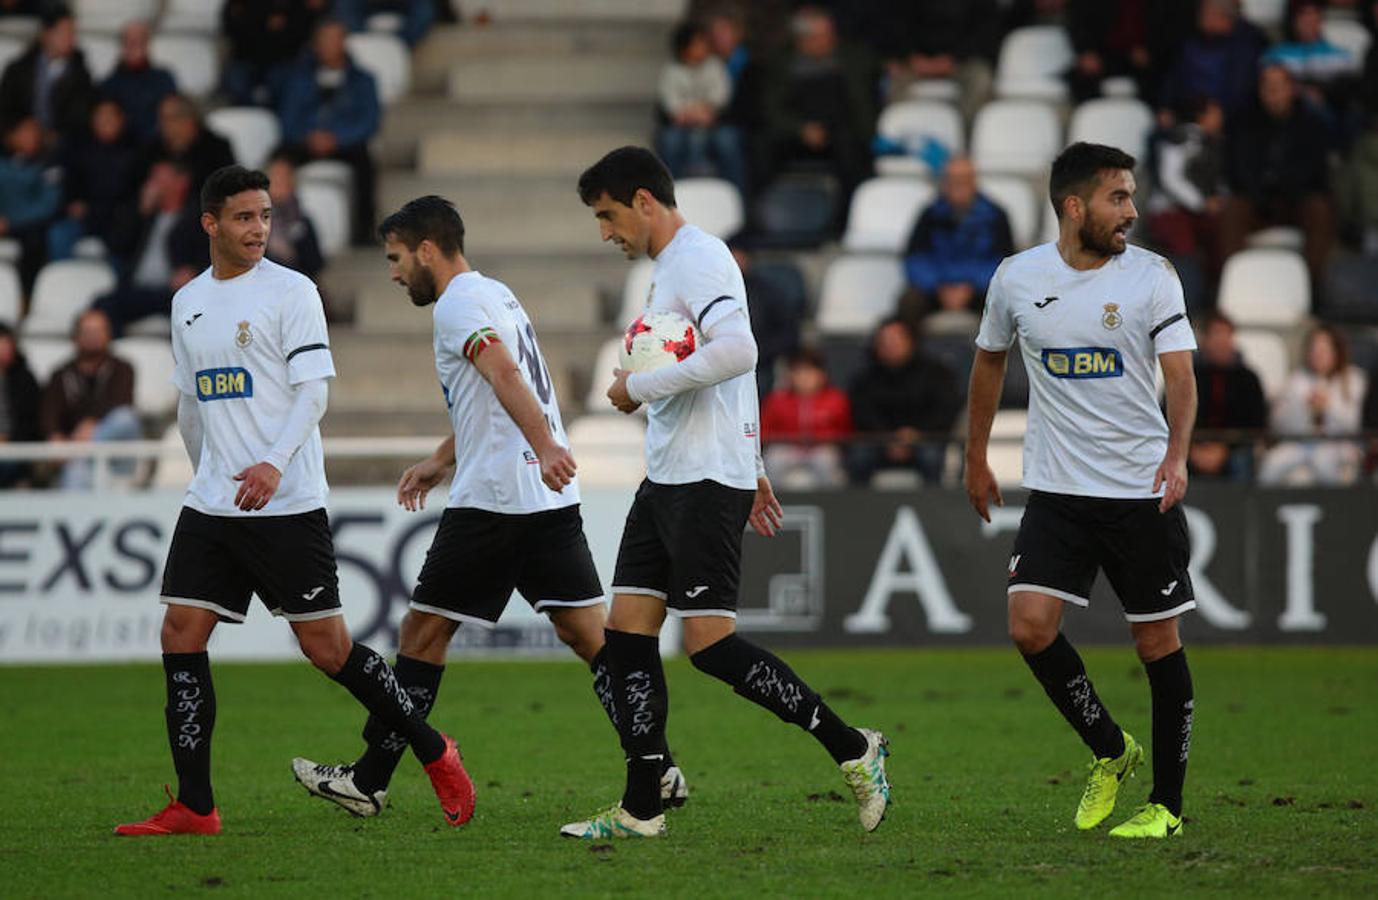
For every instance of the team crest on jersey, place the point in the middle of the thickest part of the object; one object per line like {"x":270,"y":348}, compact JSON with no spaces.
{"x":1112,"y":318}
{"x":243,"y":337}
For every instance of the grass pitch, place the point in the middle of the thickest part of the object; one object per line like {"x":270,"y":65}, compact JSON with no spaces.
{"x":1282,"y":795}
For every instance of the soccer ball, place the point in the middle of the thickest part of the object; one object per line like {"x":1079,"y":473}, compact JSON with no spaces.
{"x":658,"y":339}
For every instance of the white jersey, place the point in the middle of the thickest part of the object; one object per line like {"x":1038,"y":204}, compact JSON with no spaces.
{"x":495,"y":468}
{"x":1090,"y":342}
{"x":710,"y":433}
{"x":240,"y":345}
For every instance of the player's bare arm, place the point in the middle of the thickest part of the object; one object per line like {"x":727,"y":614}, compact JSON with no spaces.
{"x":500,"y":370}
{"x":1180,"y":383}
{"x":987,"y":379}
{"x":417,"y":480}
{"x":766,"y":512}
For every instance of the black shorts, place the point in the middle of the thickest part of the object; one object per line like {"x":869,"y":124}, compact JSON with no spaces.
{"x":220,"y":562}
{"x":1064,"y":540}
{"x":683,"y":544}
{"x":478,"y":558}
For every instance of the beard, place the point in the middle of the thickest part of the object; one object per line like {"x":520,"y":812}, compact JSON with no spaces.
{"x":421,"y":287}
{"x":1100,"y":239}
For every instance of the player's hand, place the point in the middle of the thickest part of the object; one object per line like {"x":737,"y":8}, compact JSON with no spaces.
{"x":982,"y":488}
{"x":257,"y":485}
{"x":766,"y":512}
{"x":617,"y":392}
{"x":557,"y":467}
{"x":417,"y":482}
{"x":1173,"y":473}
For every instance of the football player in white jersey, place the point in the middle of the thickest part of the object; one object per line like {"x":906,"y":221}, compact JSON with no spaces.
{"x":251,"y":360}
{"x":512,"y":521}
{"x":681,"y":546}
{"x":1096,"y":317}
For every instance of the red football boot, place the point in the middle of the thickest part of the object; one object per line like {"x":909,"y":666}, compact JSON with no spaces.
{"x":453,"y":786}
{"x":175,"y":818}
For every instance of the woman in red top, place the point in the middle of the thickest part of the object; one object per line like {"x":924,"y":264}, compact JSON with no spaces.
{"x":801,"y":424}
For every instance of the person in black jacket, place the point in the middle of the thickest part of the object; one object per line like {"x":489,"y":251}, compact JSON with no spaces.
{"x":56,"y":63}
{"x":96,"y":174}
{"x":19,"y":398}
{"x":183,"y":138}
{"x":1131,"y":38}
{"x":1230,"y":397}
{"x":904,"y":405}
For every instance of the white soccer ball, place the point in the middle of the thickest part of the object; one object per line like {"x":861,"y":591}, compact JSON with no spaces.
{"x":658,"y":339}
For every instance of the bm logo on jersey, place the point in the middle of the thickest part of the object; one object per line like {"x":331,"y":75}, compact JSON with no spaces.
{"x":1084,"y":362}
{"x":224,"y":384}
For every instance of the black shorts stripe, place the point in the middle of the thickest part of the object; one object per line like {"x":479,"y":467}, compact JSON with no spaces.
{"x":304,"y":348}
{"x":1154,"y":333}
{"x":712,"y":304}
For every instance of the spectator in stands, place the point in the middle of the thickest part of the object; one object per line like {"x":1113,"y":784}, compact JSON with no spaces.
{"x":694,"y":90}
{"x":776,"y":315}
{"x":1189,"y":191}
{"x":1231,"y":398}
{"x":137,"y":85}
{"x":904,"y":405}
{"x":1133,"y":38}
{"x":1219,"y":61}
{"x":265,"y":36}
{"x":50,"y":80}
{"x":1279,"y":173}
{"x":1327,"y":74}
{"x":19,"y":397}
{"x":417,"y":15}
{"x":96,"y":173}
{"x":802,"y":423}
{"x":947,"y":40}
{"x":957,"y":243}
{"x":329,"y":110}
{"x":30,"y":195}
{"x":819,"y":103}
{"x":160,"y":245}
{"x":292,"y":241}
{"x":90,"y":398}
{"x":184,"y":139}
{"x":1324,"y":398}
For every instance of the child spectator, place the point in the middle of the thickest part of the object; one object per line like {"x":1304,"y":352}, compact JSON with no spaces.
{"x":694,"y":90}
{"x":801,"y":424}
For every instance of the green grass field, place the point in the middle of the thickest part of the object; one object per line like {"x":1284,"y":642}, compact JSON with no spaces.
{"x":1282,"y":795}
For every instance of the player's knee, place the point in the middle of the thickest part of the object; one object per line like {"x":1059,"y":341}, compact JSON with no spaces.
{"x":1031,"y":635}
{"x":425,"y":635}
{"x":185,"y":629}
{"x":325,"y":654}
{"x":1153,"y":641}
{"x":583,"y":636}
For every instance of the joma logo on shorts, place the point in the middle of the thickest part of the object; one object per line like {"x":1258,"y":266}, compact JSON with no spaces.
{"x":1084,"y":362}
{"x":224,"y":384}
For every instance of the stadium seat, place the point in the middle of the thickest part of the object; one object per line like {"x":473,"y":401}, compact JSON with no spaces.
{"x":1119,"y":86}
{"x":1006,"y":450}
{"x":192,"y":59}
{"x":328,"y":207}
{"x":911,"y":122}
{"x":11,"y":296}
{"x":10,"y":250}
{"x":1118,"y":122}
{"x":111,"y":15}
{"x":334,"y":172}
{"x":253,"y":132}
{"x":1279,"y":237}
{"x":1266,"y":288}
{"x":1264,"y":13}
{"x":608,"y":358}
{"x":174,"y":467}
{"x":1266,"y":353}
{"x":609,"y":447}
{"x":784,"y":276}
{"x":11,"y":48}
{"x":712,"y":204}
{"x":1050,"y":229}
{"x":945,"y":90}
{"x":1017,"y":199}
{"x":1347,"y":34}
{"x":635,"y":290}
{"x":102,"y":51}
{"x":857,"y":292}
{"x":45,"y":355}
{"x":883,"y":214}
{"x":24,"y":28}
{"x":1032,"y":61}
{"x":154,"y":393}
{"x":1015,"y":136}
{"x":62,"y":290}
{"x":796,"y":211}
{"x":150,"y":326}
{"x":190,"y":17}
{"x":386,"y":58}
{"x":90,"y":247}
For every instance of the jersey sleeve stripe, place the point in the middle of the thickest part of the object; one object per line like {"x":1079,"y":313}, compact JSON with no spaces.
{"x":1165,"y":323}
{"x":305,"y":348}
{"x":712,"y":304}
{"x":478,"y":341}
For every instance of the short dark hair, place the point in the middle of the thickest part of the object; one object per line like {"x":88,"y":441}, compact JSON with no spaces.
{"x":622,"y":173}
{"x":429,"y":218}
{"x":49,"y":14}
{"x":808,"y":355}
{"x":1215,"y":317}
{"x":227,"y":181}
{"x":684,"y":35}
{"x":1076,"y":171}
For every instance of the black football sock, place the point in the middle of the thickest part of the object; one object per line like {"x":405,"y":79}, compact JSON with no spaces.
{"x":1063,"y":676}
{"x":190,"y":714}
{"x":1169,"y":680}
{"x":421,"y":681}
{"x":370,"y":679}
{"x":642,"y":705}
{"x":602,"y":688}
{"x":761,"y":677}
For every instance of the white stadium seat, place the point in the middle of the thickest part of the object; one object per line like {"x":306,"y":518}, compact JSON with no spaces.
{"x":190,"y":16}
{"x":25,"y":28}
{"x":883,"y":213}
{"x":635,"y":290}
{"x":1348,"y":34}
{"x":1264,"y":13}
{"x":111,"y":15}
{"x":1266,"y":288}
{"x":154,"y":393}
{"x":609,"y":447}
{"x":1278,"y":237}
{"x":11,"y":48}
{"x":609,"y":355}
{"x":11,"y":296}
{"x":944,"y":89}
{"x":192,"y":59}
{"x":386,"y":58}
{"x":252,"y":131}
{"x":45,"y":354}
{"x":174,"y":466}
{"x":62,"y":290}
{"x":1032,"y":62}
{"x":102,"y":51}
{"x":857,"y":292}
{"x":334,"y":172}
{"x":712,"y":204}
{"x":1051,"y":229}
{"x":910,"y":122}
{"x":90,"y":247}
{"x":1266,"y":353}
{"x":1006,"y":451}
{"x":1017,"y":199}
{"x":1119,"y":122}
{"x":1015,"y":136}
{"x":327,"y":205}
{"x":10,"y":250}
